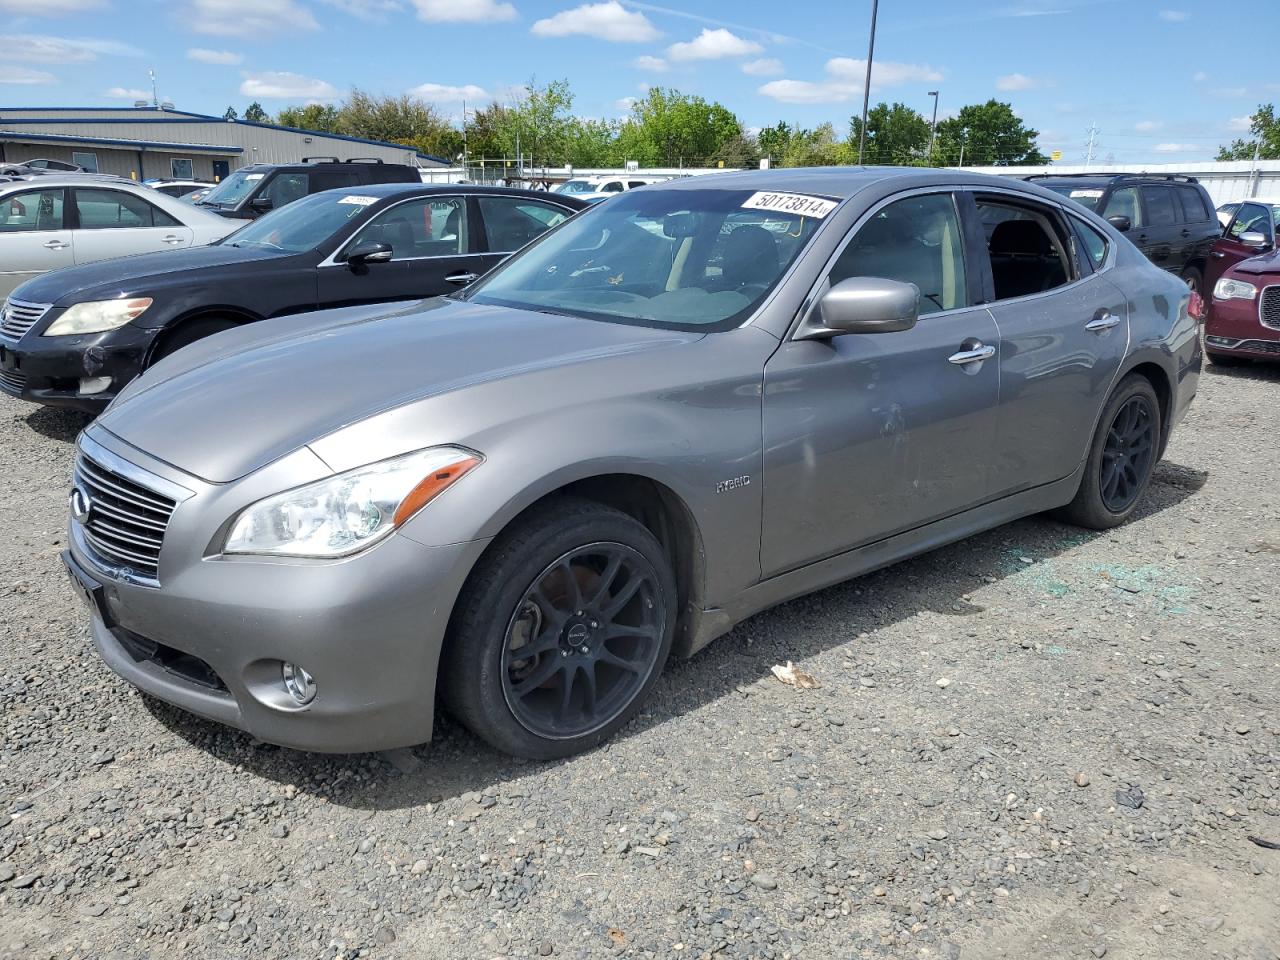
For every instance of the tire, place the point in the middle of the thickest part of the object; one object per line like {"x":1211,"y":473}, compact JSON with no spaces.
{"x":1103,"y":500}
{"x":520,"y":600}
{"x":1194,"y":278}
{"x":189,"y":332}
{"x":1225,"y":359}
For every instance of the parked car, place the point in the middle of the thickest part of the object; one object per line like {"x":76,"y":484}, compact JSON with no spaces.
{"x":1244,"y":274}
{"x":58,"y":220}
{"x":1226,"y":211}
{"x":1169,"y":218}
{"x":595,"y":189}
{"x":75,"y":337}
{"x":43,"y":166}
{"x":253,"y":190}
{"x":673,"y":411}
{"x":178,"y":188}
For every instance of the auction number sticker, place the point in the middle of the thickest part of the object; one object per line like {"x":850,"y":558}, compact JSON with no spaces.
{"x":359,"y":201}
{"x":816,"y":207}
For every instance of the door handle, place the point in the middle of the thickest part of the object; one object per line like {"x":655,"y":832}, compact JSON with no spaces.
{"x":56,"y":245}
{"x":1105,"y":320}
{"x":171,"y":239}
{"x":462,"y":279}
{"x":975,"y":354}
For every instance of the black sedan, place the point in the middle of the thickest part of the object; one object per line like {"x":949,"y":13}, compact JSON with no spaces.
{"x":75,"y":337}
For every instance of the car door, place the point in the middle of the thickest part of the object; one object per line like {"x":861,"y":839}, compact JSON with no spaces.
{"x":431,"y":242}
{"x":1200,"y":226}
{"x":1161,"y":237}
{"x":868,"y":435}
{"x":33,"y":236}
{"x":508,"y":223}
{"x":1229,"y":249}
{"x":115,"y":223}
{"x":1063,"y":334}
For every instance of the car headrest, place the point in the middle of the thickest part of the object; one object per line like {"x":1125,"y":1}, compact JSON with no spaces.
{"x":1020,"y":237}
{"x":750,"y":255}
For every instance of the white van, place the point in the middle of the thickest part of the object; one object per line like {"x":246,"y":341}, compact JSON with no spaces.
{"x":598,"y":188}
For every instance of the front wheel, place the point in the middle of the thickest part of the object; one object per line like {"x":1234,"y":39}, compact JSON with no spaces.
{"x":561,"y":631}
{"x":1122,"y":457}
{"x":188,"y":333}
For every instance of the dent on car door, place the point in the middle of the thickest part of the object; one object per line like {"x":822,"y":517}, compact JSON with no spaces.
{"x":867,"y":435}
{"x":1063,"y":334}
{"x":115,"y":223}
{"x":33,"y":236}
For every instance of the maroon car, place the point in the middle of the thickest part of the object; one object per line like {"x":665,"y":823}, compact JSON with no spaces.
{"x":1243,"y":320}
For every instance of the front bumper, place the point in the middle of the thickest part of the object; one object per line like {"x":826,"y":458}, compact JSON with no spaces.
{"x":1233,"y":328}
{"x":49,"y":370}
{"x":211,"y":638}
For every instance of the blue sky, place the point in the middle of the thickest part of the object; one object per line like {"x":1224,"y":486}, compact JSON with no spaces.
{"x":1160,"y":79}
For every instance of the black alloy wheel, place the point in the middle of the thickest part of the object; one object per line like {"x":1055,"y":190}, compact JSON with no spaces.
{"x":583,"y":641}
{"x":1128,"y":454}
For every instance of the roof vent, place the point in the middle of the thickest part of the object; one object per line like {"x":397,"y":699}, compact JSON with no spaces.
{"x":141,"y":103}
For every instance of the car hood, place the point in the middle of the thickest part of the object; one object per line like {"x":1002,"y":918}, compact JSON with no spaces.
{"x":1268,"y":262}
{"x":233,"y":403}
{"x":106,"y":279}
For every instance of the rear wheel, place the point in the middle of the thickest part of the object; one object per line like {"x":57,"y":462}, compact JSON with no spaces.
{"x":561,"y":631}
{"x":188,"y":333}
{"x":1122,"y":457}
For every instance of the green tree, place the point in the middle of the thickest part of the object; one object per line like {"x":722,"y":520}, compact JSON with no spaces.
{"x":669,"y":128}
{"x":256,"y":114}
{"x":991,"y":135}
{"x":1264,"y":129}
{"x":896,"y":134}
{"x":320,"y":117}
{"x":774,"y":141}
{"x":231,"y":114}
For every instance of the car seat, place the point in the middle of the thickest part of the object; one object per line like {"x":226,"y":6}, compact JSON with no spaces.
{"x":1023,"y":259}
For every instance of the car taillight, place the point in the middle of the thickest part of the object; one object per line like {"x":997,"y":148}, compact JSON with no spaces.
{"x":1196,"y":307}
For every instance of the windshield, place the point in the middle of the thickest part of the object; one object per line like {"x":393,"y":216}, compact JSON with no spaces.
{"x":1083,"y":194}
{"x":303,"y":224}
{"x":233,"y":189}
{"x":576,"y":186}
{"x":676,"y":259}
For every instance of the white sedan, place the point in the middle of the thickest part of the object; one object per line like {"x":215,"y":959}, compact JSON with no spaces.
{"x":58,"y":220}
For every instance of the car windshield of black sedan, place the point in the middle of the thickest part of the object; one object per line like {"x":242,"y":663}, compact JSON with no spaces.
{"x":303,"y":224}
{"x":678,"y":259}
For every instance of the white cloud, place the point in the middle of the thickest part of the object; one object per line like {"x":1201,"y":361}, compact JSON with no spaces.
{"x":764,"y":67}
{"x":279,"y":85}
{"x":127,"y":93}
{"x":1174,"y":16}
{"x":22,"y":75}
{"x":250,"y":18}
{"x":655,"y":64}
{"x":1176,"y":148}
{"x":375,"y":11}
{"x":1199,"y":76}
{"x":224,"y":58}
{"x":464,"y":11}
{"x":713,"y":45}
{"x":48,"y":8}
{"x":1240,"y":123}
{"x":30,"y":48}
{"x":604,"y":21}
{"x":443,"y":93}
{"x":844,"y":81}
{"x":1014,"y":81}
{"x":1147,"y":126}
{"x":626,"y":103}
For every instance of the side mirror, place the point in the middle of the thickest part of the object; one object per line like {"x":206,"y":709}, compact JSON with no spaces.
{"x":1252,"y":238}
{"x":261,"y":204}
{"x":863,"y":305}
{"x":1120,"y":222}
{"x":369,"y":251}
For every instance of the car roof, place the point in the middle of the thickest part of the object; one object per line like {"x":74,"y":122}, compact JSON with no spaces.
{"x":68,"y":179}
{"x":426,"y":189}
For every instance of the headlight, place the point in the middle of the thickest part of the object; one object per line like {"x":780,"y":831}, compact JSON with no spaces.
{"x":97,"y":316}
{"x":1228,"y":289}
{"x":344,"y":514}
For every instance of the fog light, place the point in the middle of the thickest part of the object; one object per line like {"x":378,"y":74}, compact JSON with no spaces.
{"x":300,"y":684}
{"x":92,"y":385}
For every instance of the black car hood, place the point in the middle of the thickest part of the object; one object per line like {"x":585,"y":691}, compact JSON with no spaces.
{"x":107,"y":279}
{"x":1265,"y":263}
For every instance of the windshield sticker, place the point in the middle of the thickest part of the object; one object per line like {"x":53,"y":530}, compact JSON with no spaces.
{"x":1086,"y":193}
{"x":816,"y":207}
{"x":254,"y":176}
{"x":359,"y":201}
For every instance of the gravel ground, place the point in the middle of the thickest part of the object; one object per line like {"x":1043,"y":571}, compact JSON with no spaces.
{"x":1041,"y":742}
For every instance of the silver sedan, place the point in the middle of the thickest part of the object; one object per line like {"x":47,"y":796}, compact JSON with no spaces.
{"x":670,"y":412}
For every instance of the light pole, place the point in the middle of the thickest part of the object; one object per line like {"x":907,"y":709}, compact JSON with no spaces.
{"x":933,"y":127}
{"x":964,"y":139}
{"x":866,"y":90}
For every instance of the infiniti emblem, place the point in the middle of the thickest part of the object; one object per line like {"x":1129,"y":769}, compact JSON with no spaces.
{"x":80,"y":505}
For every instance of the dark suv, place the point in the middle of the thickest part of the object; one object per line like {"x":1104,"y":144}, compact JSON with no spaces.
{"x":1169,"y":218}
{"x":253,"y":190}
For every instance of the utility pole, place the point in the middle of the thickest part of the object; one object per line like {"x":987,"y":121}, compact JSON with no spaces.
{"x":964,"y":139}
{"x":1253,"y":169}
{"x":464,"y":138}
{"x":1093,"y":137}
{"x":933,"y":127}
{"x":866,"y":90}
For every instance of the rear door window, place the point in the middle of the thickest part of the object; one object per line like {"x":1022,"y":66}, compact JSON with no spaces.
{"x":31,"y":211}
{"x":1026,"y":248}
{"x":511,"y":222}
{"x":1159,"y":204}
{"x":117,"y":210}
{"x":1192,"y":203}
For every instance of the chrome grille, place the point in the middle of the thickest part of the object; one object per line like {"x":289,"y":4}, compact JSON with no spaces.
{"x":1269,"y":307}
{"x":12,"y":381}
{"x":126,"y":521}
{"x":19,"y":316}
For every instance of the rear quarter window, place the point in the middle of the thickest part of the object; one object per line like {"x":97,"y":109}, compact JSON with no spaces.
{"x":1194,"y":206}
